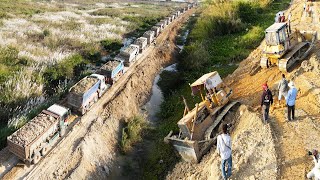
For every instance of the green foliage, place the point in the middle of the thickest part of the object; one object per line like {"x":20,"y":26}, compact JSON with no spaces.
{"x":248,"y":11}
{"x":69,"y":68}
{"x":169,"y":81}
{"x":132,"y":133}
{"x":111,"y":44}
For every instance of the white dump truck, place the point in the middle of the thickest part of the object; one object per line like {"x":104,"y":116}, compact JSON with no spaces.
{"x":142,"y":42}
{"x":169,"y":19}
{"x":150,"y":36}
{"x":128,"y":55}
{"x":86,"y":92}
{"x":156,"y":30}
{"x":39,"y":135}
{"x":160,"y":25}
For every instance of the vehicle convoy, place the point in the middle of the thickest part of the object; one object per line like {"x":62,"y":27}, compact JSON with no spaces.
{"x":198,"y":126}
{"x":128,"y":55}
{"x":86,"y":92}
{"x":160,"y":25}
{"x":283,"y":47}
{"x":112,"y":70}
{"x":36,"y":138}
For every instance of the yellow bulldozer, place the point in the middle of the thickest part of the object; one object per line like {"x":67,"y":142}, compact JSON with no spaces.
{"x":198,"y":127}
{"x":283,"y":47}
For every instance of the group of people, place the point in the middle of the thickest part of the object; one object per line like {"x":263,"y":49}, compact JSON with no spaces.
{"x":281,"y":18}
{"x":289,"y":92}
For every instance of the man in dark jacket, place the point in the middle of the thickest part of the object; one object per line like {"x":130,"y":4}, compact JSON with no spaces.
{"x":266,"y":101}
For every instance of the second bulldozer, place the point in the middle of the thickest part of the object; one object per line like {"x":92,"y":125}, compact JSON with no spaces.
{"x":283,"y":47}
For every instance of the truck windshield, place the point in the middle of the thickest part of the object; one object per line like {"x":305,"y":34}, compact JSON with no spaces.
{"x":271,"y":38}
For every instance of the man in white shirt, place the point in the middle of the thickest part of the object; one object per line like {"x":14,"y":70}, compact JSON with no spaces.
{"x":224,"y":149}
{"x":315,"y":172}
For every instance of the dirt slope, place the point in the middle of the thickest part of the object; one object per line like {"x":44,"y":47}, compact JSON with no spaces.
{"x":281,"y":145}
{"x":88,"y":151}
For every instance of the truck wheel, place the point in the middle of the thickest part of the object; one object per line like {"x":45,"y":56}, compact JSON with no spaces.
{"x":36,"y":158}
{"x":44,"y":150}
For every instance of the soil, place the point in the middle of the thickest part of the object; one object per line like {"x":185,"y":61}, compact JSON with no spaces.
{"x":84,"y":85}
{"x":88,"y":150}
{"x":110,"y":65}
{"x":278,"y":149}
{"x":32,"y":130}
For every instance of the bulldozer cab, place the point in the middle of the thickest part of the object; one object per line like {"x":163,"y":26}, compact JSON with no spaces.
{"x":212,"y":89}
{"x":277,"y":39}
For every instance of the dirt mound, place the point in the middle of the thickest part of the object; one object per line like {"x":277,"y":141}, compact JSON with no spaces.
{"x":251,"y":139}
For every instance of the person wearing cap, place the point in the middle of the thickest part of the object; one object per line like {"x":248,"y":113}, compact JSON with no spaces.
{"x":266,"y":101}
{"x":291,"y":100}
{"x":315,"y":172}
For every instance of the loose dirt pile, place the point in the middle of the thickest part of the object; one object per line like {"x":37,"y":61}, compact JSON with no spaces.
{"x":84,"y":85}
{"x":110,"y":65}
{"x":32,"y":130}
{"x":251,"y":139}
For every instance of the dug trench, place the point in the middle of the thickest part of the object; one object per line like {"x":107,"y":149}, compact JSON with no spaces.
{"x":89,"y":151}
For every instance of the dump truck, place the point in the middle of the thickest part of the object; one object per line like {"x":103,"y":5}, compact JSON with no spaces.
{"x":283,"y":47}
{"x":160,"y":25}
{"x":142,"y":42}
{"x":169,"y":20}
{"x":86,"y":92}
{"x":150,"y":36}
{"x":128,"y":55}
{"x":156,"y":30}
{"x":35,"y":139}
{"x":165,"y":23}
{"x":198,"y":127}
{"x":177,"y":13}
{"x":173,"y":17}
{"x":112,"y":70}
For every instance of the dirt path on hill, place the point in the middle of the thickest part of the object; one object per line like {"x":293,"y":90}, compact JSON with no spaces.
{"x":89,"y":149}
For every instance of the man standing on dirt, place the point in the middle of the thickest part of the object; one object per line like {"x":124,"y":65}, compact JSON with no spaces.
{"x":283,"y":88}
{"x":315,"y":172}
{"x":266,"y":101}
{"x":291,"y":100}
{"x":224,"y":149}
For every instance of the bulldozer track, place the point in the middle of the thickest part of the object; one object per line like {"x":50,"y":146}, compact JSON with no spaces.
{"x":219,"y":118}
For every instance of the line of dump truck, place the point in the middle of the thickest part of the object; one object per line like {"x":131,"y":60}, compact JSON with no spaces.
{"x":37,"y":137}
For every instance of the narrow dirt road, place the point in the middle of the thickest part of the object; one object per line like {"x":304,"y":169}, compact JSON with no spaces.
{"x":89,"y":149}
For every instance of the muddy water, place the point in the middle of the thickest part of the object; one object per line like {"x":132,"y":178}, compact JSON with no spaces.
{"x":153,"y":105}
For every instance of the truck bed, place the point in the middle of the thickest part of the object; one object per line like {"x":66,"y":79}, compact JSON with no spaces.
{"x":84,"y":85}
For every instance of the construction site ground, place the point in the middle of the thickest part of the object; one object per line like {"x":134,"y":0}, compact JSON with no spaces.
{"x":278,"y":149}
{"x":88,"y":150}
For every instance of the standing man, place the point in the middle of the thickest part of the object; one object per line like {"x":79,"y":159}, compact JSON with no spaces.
{"x":224,"y":149}
{"x":266,"y":101}
{"x":291,"y":100}
{"x":315,"y":172}
{"x":283,"y":88}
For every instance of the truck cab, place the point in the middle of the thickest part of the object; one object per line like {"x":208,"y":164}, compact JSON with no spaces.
{"x":103,"y":86}
{"x":62,"y":112}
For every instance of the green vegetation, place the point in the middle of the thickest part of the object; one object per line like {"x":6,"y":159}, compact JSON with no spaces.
{"x":132,"y":133}
{"x":224,"y":34}
{"x":68,"y":69}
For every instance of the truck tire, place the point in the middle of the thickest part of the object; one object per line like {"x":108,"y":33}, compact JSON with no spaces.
{"x":36,"y":158}
{"x":45,"y":150}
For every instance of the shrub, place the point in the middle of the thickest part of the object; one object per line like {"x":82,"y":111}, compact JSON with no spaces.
{"x":132,"y":133}
{"x":111,"y":44}
{"x":169,"y":81}
{"x":67,"y":69}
